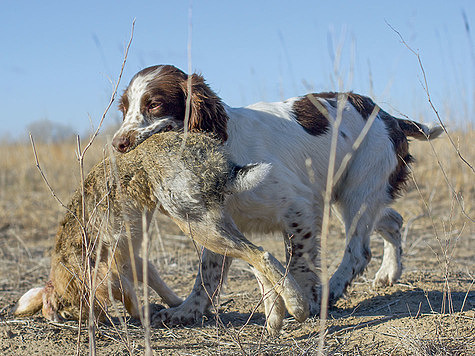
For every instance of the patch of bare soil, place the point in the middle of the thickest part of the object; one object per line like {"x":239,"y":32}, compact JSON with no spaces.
{"x":414,"y":316}
{"x":431,"y":311}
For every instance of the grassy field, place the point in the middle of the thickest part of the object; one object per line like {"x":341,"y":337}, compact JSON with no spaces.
{"x":429,"y":312}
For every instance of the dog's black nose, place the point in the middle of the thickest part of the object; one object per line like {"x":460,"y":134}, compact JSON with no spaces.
{"x":121,"y":143}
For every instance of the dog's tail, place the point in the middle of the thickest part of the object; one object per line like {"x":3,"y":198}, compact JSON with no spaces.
{"x":419,"y":131}
{"x":247,"y":177}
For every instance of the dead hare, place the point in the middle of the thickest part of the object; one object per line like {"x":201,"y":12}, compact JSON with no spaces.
{"x":187,"y":178}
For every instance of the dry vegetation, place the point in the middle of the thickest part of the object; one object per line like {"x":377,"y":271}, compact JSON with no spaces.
{"x":430,"y":312}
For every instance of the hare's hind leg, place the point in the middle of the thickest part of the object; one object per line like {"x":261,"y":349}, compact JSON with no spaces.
{"x":221,"y":235}
{"x":273,"y":302}
{"x":123,"y":291}
{"x":156,"y":283}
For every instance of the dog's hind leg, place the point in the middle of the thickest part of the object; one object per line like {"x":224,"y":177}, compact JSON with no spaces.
{"x":389,"y":227}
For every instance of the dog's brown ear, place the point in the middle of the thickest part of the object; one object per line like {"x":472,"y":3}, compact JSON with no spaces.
{"x":207,"y":113}
{"x":30,"y":303}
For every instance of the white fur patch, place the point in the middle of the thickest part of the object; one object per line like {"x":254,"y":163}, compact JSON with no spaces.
{"x":30,"y":302}
{"x":251,"y":176}
{"x":134,"y":120}
{"x":434,"y":131}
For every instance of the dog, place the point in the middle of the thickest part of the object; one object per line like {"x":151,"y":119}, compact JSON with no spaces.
{"x":187,"y":177}
{"x":371,"y":161}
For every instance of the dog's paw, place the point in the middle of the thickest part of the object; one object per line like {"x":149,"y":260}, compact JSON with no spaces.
{"x":387,"y":275}
{"x":182,"y":315}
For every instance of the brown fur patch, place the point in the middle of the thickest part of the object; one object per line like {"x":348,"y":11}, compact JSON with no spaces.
{"x":364,"y":105}
{"x":165,"y":89}
{"x":396,"y":131}
{"x":124,"y":103}
{"x":399,"y":176}
{"x":331,"y":96}
{"x":315,"y":123}
{"x":413,"y":129}
{"x":207,"y":111}
{"x":310,"y":116}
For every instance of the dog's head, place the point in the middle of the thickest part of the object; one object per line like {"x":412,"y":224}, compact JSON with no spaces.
{"x":164,"y":98}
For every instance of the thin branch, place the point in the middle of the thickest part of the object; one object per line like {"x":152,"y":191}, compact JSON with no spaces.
{"x":146,"y":310}
{"x":114,"y":93}
{"x":426,"y":90}
{"x":325,"y":291}
{"x":37,"y":164}
{"x":189,"y":81}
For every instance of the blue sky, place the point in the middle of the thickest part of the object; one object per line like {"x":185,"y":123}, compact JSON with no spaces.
{"x":58,"y":59}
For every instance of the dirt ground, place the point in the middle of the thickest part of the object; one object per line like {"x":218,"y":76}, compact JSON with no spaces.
{"x":431,"y":311}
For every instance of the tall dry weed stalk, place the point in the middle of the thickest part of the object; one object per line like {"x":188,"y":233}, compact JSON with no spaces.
{"x":446,"y":245}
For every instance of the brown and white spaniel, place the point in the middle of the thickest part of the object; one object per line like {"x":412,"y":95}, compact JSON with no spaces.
{"x":295,"y":136}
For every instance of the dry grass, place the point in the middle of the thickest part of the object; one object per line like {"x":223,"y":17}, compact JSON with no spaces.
{"x":422,"y":315}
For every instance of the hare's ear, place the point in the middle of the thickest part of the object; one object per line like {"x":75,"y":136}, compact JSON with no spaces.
{"x":30,"y":303}
{"x":248,"y":177}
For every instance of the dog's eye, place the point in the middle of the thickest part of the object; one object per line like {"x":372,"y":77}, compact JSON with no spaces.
{"x":153,"y":105}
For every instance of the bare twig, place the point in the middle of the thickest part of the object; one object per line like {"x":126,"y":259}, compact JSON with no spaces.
{"x":189,"y":81}
{"x":146,"y":311}
{"x":325,"y":290}
{"x":114,"y":93}
{"x":37,"y":163}
{"x":426,"y":90}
